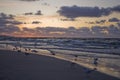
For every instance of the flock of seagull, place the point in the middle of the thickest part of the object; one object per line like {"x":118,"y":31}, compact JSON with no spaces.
{"x":72,"y":64}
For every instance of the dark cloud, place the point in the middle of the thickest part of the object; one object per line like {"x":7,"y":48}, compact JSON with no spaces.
{"x":106,"y":31}
{"x":100,"y":22}
{"x":97,"y":22}
{"x":8,"y":20}
{"x":90,"y":22}
{"x":118,"y":24}
{"x":116,"y":8}
{"x":114,"y":30}
{"x":30,"y":13}
{"x":38,"y":13}
{"x":29,"y":0}
{"x":66,"y":19}
{"x":36,"y":22}
{"x":84,"y":29}
{"x":9,"y":29}
{"x":5,"y":16}
{"x":114,"y":20}
{"x":76,"y":11}
{"x":15,"y":22}
{"x":97,"y":30}
{"x":8,"y":24}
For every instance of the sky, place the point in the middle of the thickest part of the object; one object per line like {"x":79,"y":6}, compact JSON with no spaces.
{"x":60,"y":18}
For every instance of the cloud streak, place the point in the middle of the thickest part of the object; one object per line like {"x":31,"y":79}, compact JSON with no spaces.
{"x":29,"y":0}
{"x":31,"y":13}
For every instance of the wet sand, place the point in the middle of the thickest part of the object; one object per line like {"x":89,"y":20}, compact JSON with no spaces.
{"x":18,"y":66}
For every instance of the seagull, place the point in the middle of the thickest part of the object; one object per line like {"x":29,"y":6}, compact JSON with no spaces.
{"x":75,"y":57}
{"x":95,"y":61}
{"x":88,"y":71}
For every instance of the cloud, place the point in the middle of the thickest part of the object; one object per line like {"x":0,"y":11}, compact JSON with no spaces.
{"x":29,"y":0}
{"x":45,"y":4}
{"x":66,"y":19}
{"x":9,"y":29}
{"x":5,"y":16}
{"x":76,"y":11}
{"x":96,"y":31}
{"x":36,"y":22}
{"x":100,"y":22}
{"x":28,"y":30}
{"x":118,"y":24}
{"x":8,"y":24}
{"x":97,"y":22}
{"x":38,"y":13}
{"x":114,"y":30}
{"x":30,"y":13}
{"x":85,"y":32}
{"x":114,"y":20}
{"x":116,"y":8}
{"x":106,"y":31}
{"x":8,"y":20}
{"x":90,"y":22}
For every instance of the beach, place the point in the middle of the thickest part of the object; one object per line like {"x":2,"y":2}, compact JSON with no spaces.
{"x":18,"y":66}
{"x":59,"y":39}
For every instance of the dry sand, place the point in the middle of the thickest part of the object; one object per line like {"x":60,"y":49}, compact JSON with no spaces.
{"x":18,"y":66}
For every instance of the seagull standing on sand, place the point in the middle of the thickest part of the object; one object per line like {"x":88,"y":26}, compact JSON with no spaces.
{"x":75,"y":57}
{"x":95,"y":61}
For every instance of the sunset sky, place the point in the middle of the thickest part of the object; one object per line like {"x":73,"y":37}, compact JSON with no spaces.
{"x":60,"y":18}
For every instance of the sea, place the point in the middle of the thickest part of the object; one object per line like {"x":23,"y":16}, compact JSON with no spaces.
{"x":100,"y":53}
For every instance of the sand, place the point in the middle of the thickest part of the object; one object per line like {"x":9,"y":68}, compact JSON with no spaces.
{"x":18,"y":66}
